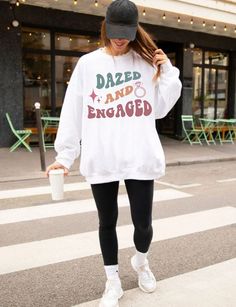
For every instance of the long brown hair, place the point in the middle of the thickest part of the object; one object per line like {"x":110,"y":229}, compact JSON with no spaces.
{"x":143,"y":45}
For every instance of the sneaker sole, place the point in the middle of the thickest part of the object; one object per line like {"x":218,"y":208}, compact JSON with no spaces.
{"x":139,"y":284}
{"x":119,"y":297}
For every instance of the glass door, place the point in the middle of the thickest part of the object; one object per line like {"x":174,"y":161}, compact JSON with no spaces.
{"x":215,"y":89}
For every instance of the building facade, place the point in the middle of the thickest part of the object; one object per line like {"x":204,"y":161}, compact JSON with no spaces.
{"x":40,"y":45}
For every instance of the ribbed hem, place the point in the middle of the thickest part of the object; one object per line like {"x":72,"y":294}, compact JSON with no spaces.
{"x":123,"y":176}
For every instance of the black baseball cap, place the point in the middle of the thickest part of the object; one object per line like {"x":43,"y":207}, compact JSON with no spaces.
{"x":122,"y":20}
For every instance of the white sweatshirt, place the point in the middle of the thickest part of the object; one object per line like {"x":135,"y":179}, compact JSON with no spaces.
{"x":110,"y":105}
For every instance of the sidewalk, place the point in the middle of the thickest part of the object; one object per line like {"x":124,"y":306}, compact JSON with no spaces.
{"x":23,"y":165}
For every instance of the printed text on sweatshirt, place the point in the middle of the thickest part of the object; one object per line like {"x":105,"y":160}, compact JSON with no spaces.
{"x":111,"y":105}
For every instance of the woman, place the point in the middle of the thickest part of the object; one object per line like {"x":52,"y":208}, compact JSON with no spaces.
{"x":113,"y":98}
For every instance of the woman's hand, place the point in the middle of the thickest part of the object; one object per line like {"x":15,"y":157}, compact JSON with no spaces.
{"x":56,"y":165}
{"x":159,"y":57}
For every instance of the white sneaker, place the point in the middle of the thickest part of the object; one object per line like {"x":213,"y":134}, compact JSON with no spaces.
{"x":113,"y":292}
{"x":146,"y":279}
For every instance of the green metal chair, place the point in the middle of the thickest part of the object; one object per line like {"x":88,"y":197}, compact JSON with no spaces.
{"x":21,"y":135}
{"x":225,"y":131}
{"x":191,"y":132}
{"x":208,"y":128}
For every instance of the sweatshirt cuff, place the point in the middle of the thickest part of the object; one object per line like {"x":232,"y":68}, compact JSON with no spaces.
{"x":66,"y":163}
{"x":167,"y":66}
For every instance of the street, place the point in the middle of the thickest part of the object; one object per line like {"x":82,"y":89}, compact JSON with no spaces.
{"x":50,"y":254}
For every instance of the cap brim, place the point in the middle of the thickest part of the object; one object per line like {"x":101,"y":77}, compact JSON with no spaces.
{"x":121,"y":31}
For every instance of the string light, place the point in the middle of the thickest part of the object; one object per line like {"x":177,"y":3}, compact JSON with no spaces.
{"x":234,"y":30}
{"x":191,"y":21}
{"x":96,"y":3}
{"x":178,"y":19}
{"x":8,"y":28}
{"x":144,"y":12}
{"x":164,"y":16}
{"x":204,"y":23}
{"x":225,"y":28}
{"x":17,"y":3}
{"x":75,"y":2}
{"x":214,"y":26}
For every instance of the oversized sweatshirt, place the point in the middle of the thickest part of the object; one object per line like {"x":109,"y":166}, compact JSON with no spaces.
{"x":108,"y":117}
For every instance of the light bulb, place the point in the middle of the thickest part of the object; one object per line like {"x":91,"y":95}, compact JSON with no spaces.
{"x":225,"y":28}
{"x":96,"y":3}
{"x":144,"y":12}
{"x":15,"y":23}
{"x":214,"y":26}
{"x":164,"y":16}
{"x":204,"y":24}
{"x":191,"y":21}
{"x":178,"y":19}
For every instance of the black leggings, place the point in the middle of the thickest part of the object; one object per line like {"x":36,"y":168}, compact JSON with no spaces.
{"x":140,"y":193}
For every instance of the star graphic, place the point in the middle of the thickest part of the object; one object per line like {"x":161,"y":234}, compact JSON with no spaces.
{"x":93,"y":95}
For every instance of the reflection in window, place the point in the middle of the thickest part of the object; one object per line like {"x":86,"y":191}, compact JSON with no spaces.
{"x":209,"y":90}
{"x":77,"y":43}
{"x":64,"y":68}
{"x":197,"y":56}
{"x":222,"y":93}
{"x":35,"y":38}
{"x":37,"y":83}
{"x":197,"y":82}
{"x":216,"y":58}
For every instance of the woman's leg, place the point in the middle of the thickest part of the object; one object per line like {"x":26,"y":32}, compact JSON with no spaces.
{"x":105,"y":196}
{"x":140,"y":194}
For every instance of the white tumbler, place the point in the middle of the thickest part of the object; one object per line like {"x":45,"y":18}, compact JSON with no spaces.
{"x":56,"y":179}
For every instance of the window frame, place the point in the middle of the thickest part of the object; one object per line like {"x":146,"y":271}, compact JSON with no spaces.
{"x":217,"y":67}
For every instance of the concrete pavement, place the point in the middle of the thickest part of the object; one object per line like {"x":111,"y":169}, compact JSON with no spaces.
{"x":23,"y":165}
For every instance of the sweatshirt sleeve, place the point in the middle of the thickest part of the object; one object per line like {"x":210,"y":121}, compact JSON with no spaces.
{"x":168,"y":89}
{"x":67,"y":143}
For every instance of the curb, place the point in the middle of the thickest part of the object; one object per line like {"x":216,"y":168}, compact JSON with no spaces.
{"x":76,"y":172}
{"x":179,"y":163}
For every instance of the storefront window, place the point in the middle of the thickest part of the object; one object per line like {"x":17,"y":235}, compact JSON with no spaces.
{"x":47,"y":72}
{"x":222,"y":93}
{"x":35,"y":38}
{"x":197,"y":56}
{"x":215,"y":102}
{"x":216,"y":58}
{"x":37,"y":83}
{"x":197,"y":86}
{"x":211,"y":100}
{"x":79,"y":43}
{"x":64,"y":68}
{"x":210,"y":92}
